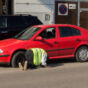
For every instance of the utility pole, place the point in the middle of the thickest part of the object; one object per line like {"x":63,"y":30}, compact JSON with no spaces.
{"x":78,"y":13}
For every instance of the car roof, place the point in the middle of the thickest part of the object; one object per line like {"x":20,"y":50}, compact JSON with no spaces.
{"x":50,"y":25}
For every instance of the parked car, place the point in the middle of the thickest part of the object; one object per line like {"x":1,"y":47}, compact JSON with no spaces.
{"x":11,"y":25}
{"x":60,"y":41}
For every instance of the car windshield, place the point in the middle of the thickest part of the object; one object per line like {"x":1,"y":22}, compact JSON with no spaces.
{"x":27,"y":33}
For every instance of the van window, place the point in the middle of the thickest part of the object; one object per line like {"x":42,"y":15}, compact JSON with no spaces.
{"x":3,"y":22}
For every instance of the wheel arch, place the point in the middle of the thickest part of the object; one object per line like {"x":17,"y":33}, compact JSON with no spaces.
{"x":80,"y":47}
{"x":16,"y":52}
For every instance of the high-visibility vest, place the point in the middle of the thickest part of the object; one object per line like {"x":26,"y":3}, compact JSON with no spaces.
{"x":37,"y":55}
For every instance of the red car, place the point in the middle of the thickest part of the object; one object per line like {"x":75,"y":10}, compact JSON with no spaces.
{"x":60,"y":41}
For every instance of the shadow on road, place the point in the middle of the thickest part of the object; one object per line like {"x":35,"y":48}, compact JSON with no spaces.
{"x":60,"y":62}
{"x":5,"y":66}
{"x":51,"y":63}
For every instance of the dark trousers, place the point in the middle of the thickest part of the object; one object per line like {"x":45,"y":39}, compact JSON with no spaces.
{"x":29,"y":57}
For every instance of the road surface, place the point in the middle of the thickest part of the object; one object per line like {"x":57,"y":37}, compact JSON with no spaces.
{"x":60,"y":74}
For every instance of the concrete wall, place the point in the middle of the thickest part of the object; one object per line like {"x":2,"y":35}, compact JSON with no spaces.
{"x":39,"y":8}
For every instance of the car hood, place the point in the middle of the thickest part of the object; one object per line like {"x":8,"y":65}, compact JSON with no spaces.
{"x":9,"y":42}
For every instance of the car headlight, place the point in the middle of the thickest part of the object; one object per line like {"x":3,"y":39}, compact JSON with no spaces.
{"x":1,"y":51}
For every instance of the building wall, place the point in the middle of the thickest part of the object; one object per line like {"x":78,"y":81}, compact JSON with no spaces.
{"x":43,"y":9}
{"x":78,"y":17}
{"x":66,"y":12}
{"x":84,"y":14}
{"x":47,"y":11}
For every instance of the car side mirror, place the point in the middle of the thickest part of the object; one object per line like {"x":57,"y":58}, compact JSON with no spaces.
{"x":39,"y":38}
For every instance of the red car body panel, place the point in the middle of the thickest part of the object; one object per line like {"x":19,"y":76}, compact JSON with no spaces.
{"x":56,"y":47}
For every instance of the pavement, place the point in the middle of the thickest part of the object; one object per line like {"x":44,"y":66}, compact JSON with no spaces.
{"x":58,"y":74}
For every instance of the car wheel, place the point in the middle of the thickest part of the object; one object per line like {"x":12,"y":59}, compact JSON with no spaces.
{"x":18,"y":57}
{"x":82,"y":54}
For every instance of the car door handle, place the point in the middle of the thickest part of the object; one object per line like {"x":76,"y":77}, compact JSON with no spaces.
{"x":56,"y":42}
{"x":78,"y":39}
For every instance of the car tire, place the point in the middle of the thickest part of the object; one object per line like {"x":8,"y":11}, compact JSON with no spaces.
{"x":18,"y":57}
{"x":82,"y":54}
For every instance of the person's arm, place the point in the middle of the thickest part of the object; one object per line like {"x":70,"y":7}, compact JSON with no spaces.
{"x":44,"y":60}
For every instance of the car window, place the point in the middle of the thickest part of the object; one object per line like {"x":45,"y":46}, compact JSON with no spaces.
{"x":48,"y":33}
{"x":69,"y":31}
{"x":3,"y":22}
{"x":27,"y":33}
{"x":17,"y":23}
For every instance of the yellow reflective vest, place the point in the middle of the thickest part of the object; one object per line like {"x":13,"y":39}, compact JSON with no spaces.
{"x":37,"y":53}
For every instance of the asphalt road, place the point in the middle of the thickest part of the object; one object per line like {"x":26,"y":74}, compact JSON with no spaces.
{"x":59,"y":74}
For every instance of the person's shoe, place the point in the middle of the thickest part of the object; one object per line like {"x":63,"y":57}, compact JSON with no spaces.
{"x":25,"y":65}
{"x":20,"y":66}
{"x":44,"y":66}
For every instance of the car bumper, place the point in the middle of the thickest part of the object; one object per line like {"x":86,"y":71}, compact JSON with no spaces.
{"x":4,"y":55}
{"x":4,"y":58}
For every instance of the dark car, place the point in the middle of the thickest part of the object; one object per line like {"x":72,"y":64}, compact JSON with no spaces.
{"x":11,"y":25}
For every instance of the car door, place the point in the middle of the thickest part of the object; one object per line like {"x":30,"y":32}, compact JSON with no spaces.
{"x":49,"y":42}
{"x":69,"y":38}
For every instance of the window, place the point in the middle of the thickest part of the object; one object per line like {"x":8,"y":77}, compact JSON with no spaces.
{"x":27,"y":33}
{"x":47,"y":17}
{"x":3,"y":22}
{"x":68,"y":31}
{"x":48,"y":33}
{"x":5,"y":4}
{"x":16,"y":22}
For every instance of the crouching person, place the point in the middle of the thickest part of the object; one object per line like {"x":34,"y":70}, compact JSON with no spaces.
{"x":34,"y":57}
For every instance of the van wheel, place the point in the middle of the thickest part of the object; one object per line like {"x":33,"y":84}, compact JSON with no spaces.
{"x":18,"y":57}
{"x":82,"y":54}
